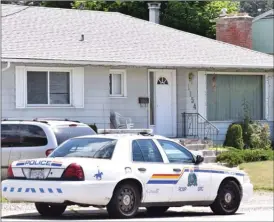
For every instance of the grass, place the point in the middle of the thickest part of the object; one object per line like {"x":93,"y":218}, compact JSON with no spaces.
{"x":218,"y":148}
{"x":260,"y":173}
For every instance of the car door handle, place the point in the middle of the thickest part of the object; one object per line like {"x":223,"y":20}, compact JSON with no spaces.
{"x":177,"y":170}
{"x":142,"y":169}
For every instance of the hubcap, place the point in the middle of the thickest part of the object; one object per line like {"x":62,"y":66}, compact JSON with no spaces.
{"x":228,"y":198}
{"x":126,"y":200}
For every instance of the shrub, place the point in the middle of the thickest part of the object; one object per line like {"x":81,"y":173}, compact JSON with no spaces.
{"x":236,"y":157}
{"x":231,"y":158}
{"x":94,"y":127}
{"x":234,"y":136}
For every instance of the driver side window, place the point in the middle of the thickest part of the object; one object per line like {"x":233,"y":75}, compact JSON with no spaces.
{"x":176,"y":153}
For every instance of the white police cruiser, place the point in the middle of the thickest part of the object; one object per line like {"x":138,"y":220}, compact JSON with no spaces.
{"x":123,"y":172}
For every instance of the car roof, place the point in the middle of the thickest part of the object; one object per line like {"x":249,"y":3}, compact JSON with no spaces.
{"x":43,"y":121}
{"x":124,"y":135}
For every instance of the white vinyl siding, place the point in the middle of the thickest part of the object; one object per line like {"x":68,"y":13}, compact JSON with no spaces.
{"x":117,"y":83}
{"x":49,"y":87}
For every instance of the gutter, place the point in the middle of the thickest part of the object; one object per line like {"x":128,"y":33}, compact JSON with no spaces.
{"x":139,"y":64}
{"x":6,"y":68}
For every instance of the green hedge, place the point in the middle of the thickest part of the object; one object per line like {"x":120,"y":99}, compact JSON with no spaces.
{"x":236,"y":157}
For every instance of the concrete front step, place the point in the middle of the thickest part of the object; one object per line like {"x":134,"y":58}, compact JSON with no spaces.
{"x":209,"y":159}
{"x":187,"y":141}
{"x":196,"y":147}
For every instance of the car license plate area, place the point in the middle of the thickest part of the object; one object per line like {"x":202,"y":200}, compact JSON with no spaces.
{"x":37,"y":174}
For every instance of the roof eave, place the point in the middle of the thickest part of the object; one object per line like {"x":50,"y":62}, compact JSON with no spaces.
{"x":138,"y":64}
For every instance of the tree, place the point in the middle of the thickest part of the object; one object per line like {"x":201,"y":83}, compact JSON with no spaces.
{"x":255,"y":8}
{"x":57,"y":4}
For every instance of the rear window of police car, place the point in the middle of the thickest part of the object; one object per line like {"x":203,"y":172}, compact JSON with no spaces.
{"x":99,"y":148}
{"x":64,"y":133}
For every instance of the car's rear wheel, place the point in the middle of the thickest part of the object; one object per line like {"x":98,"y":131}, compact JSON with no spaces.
{"x":50,"y":210}
{"x":228,"y":199}
{"x":125,"y":201}
{"x":156,"y":210}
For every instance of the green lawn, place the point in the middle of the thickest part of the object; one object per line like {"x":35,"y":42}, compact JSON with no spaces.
{"x":260,"y":173}
{"x":218,"y":148}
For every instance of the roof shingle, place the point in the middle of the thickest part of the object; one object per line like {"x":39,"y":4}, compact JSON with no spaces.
{"x":111,"y":37}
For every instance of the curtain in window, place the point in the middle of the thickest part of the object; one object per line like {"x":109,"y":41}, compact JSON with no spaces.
{"x":227,"y":95}
{"x":116,"y":84}
{"x":59,"y":88}
{"x":37,"y":90}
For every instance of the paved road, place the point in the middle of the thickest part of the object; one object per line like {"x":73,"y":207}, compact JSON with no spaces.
{"x":259,"y":209}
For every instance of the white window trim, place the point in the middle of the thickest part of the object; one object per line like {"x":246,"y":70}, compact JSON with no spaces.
{"x":48,"y":69}
{"x":123,"y":74}
{"x":202,"y":92}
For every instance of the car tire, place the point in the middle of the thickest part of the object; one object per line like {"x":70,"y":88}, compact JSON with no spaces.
{"x":154,"y":211}
{"x":125,"y":201}
{"x":228,"y":199}
{"x":50,"y":210}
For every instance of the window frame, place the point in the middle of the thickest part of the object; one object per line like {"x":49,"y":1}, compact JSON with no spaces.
{"x":147,"y":162}
{"x":123,"y":74}
{"x":193,"y":157}
{"x":48,"y":70}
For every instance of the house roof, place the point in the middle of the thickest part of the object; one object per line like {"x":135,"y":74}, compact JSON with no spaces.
{"x":264,"y":15}
{"x":111,"y":38}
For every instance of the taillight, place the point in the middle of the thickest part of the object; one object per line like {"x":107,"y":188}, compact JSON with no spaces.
{"x":73,"y":172}
{"x":10,"y":173}
{"x":49,"y":151}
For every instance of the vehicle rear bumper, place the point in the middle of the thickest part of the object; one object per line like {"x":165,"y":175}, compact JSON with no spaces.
{"x":81,"y":192}
{"x":247,"y":192}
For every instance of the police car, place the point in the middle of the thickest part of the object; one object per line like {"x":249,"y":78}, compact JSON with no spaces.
{"x":123,"y":172}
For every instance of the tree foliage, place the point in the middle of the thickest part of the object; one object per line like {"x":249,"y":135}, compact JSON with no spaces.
{"x":255,"y":8}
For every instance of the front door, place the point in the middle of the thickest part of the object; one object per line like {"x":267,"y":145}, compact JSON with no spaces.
{"x":164,"y":111}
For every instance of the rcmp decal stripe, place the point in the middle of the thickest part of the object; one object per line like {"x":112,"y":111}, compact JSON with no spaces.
{"x":32,"y":190}
{"x":174,"y":178}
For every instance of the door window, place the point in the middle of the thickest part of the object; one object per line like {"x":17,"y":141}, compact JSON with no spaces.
{"x":176,"y":153}
{"x":145,"y":150}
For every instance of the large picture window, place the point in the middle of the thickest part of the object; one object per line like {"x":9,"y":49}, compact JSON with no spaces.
{"x":227,"y":95}
{"x":48,"y":87}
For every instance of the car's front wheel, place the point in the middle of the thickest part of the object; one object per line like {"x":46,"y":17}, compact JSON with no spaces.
{"x":228,"y":199}
{"x":125,"y":201}
{"x":50,"y":210}
{"x":154,"y":211}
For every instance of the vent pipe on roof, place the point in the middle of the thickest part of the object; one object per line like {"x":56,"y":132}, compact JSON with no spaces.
{"x":154,"y":12}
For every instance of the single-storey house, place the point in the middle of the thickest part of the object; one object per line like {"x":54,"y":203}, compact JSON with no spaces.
{"x":83,"y":64}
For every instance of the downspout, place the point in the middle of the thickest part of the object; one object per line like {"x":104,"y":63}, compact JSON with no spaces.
{"x":8,"y":66}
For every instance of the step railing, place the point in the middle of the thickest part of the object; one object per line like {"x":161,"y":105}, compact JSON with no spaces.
{"x":198,"y":127}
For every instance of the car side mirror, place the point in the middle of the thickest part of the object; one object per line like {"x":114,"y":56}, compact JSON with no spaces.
{"x":199,"y":159}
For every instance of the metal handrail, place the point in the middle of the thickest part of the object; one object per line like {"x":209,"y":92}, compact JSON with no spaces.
{"x":195,"y":126}
{"x":204,"y":120}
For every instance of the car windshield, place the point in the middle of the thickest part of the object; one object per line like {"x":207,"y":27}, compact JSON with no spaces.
{"x":100,"y":148}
